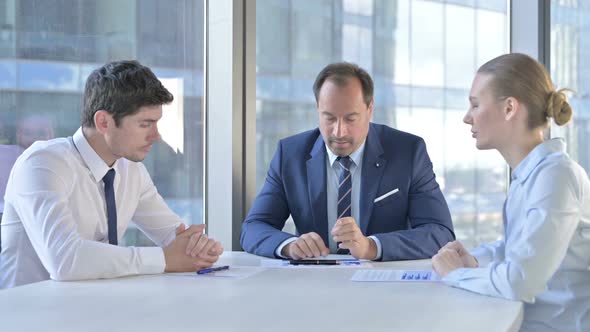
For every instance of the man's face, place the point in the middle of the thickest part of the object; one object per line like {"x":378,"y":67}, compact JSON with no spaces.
{"x":135,"y":135}
{"x":344,"y":116}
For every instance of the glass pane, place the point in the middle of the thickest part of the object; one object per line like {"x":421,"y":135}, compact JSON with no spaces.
{"x":460,"y":21}
{"x":49,"y":47}
{"x":7,"y":29}
{"x":426,"y":43}
{"x":570,"y":60}
{"x":422,"y":76}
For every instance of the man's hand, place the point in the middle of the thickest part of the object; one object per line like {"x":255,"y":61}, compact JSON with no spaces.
{"x":467,"y":259}
{"x":198,"y":241}
{"x":307,"y":245}
{"x":446,"y":261}
{"x":191,"y":250}
{"x":347,"y":231}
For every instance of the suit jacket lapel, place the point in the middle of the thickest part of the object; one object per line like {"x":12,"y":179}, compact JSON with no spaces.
{"x":316,"y":186}
{"x":372,"y":172}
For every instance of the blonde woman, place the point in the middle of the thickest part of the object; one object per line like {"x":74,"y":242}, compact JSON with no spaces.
{"x":544,"y":258}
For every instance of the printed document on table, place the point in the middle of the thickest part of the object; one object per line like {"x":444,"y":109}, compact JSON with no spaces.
{"x":395,"y":276}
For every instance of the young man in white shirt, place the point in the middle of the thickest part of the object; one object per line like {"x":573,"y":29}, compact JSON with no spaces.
{"x":69,"y":200}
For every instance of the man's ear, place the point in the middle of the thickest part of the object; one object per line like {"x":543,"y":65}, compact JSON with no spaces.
{"x":102,"y":120}
{"x":511,"y":108}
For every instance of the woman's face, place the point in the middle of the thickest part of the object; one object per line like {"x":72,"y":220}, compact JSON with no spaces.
{"x":485,"y":114}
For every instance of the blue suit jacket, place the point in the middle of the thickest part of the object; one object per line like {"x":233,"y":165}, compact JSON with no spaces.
{"x":411,"y":224}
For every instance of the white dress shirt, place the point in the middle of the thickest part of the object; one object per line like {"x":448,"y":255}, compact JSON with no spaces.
{"x":55,"y":225}
{"x":545,"y":257}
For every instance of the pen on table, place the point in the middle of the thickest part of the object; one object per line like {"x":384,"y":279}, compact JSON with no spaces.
{"x":314,"y":262}
{"x":213,"y":269}
{"x":349,"y":261}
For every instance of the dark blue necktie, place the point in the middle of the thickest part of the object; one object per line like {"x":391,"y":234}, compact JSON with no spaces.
{"x":109,"y":195}
{"x":344,"y":193}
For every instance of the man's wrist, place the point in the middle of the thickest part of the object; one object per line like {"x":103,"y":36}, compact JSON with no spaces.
{"x":372,"y":253}
{"x":285,"y":251}
{"x":379,"y":248}
{"x":281,"y":248}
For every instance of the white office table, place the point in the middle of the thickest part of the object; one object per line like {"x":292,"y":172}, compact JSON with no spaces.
{"x":311,"y":299}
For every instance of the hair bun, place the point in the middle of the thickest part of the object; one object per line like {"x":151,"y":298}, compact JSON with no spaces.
{"x":558,"y":108}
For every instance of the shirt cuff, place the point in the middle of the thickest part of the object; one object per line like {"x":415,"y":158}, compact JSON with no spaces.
{"x":454,"y":277}
{"x":152,"y":260}
{"x":282,"y":245}
{"x":379,"y":247}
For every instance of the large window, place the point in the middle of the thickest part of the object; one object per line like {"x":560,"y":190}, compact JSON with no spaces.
{"x":422,"y":56}
{"x":570,"y":68}
{"x":48,"y":48}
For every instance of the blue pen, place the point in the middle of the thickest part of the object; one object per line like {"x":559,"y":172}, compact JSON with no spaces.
{"x":349,"y":260}
{"x":213,"y":269}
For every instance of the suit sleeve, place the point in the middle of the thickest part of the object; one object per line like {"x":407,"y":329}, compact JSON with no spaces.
{"x":429,"y":220}
{"x":261,"y":231}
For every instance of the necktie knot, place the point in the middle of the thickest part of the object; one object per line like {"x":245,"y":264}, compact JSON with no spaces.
{"x":109,"y":178}
{"x":345,"y":162}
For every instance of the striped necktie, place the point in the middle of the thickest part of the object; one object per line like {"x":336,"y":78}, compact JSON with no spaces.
{"x":344,"y":193}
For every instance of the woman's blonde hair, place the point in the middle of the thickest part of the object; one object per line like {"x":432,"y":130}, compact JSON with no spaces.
{"x":524,"y":78}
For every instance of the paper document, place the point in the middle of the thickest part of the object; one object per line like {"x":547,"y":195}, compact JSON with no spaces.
{"x":395,"y":276}
{"x":234,"y":272}
{"x":237,"y":272}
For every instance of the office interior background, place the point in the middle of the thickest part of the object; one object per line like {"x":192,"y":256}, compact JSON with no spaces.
{"x":213,"y":159}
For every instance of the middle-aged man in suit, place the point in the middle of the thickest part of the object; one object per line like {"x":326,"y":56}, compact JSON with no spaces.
{"x":350,"y":185}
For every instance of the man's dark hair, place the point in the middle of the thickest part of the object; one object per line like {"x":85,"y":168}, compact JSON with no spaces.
{"x":339,"y":73}
{"x":121,"y":88}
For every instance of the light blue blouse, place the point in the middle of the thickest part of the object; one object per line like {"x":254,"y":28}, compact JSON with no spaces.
{"x":544,"y":258}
